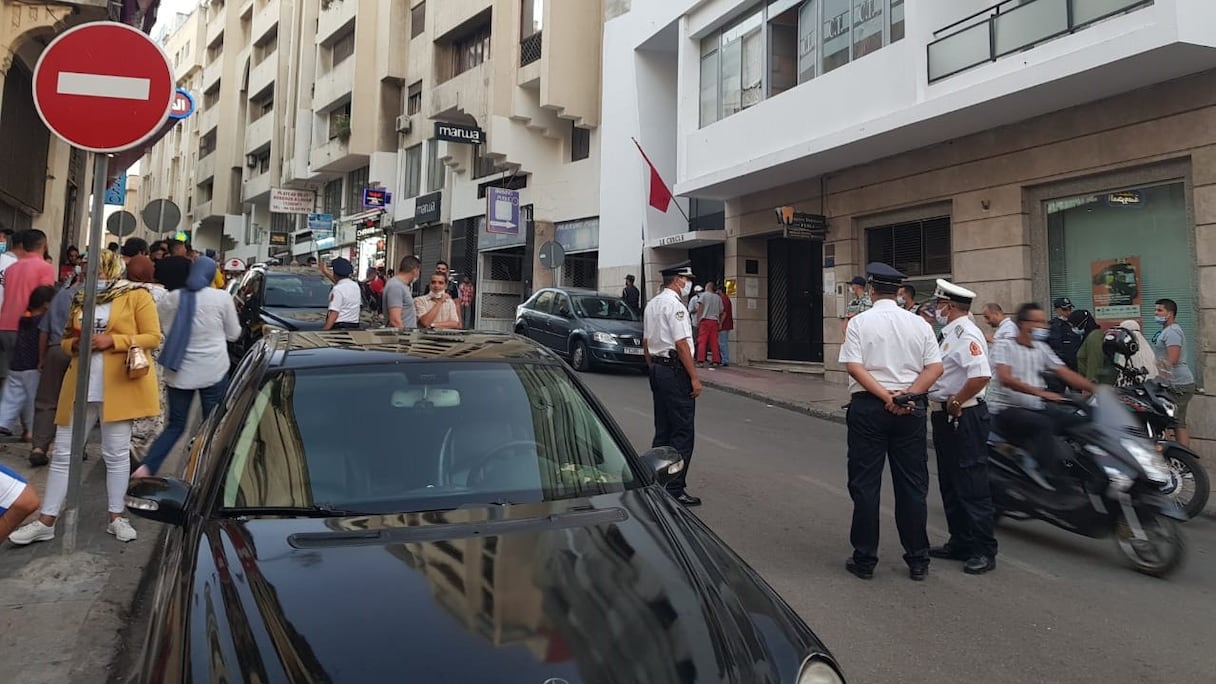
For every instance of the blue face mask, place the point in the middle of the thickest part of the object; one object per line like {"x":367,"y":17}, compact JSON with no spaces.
{"x":3,"y":247}
{"x":1040,"y":334}
{"x":1161,"y":319}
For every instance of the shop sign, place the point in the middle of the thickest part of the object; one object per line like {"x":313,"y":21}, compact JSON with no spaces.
{"x":578,"y":236}
{"x":321,"y":223}
{"x":674,"y":239}
{"x":427,"y":208}
{"x":458,"y":133}
{"x":368,"y":232}
{"x":1128,"y":198}
{"x":502,"y":211}
{"x":285,"y":201}
{"x":116,"y":194}
{"x":1116,"y":289}
{"x":376,"y":198}
{"x":280,"y":239}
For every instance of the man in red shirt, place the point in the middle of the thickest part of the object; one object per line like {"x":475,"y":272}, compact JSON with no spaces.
{"x":727,"y":325}
{"x":20,"y":279}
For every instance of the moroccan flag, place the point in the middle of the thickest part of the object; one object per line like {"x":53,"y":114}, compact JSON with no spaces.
{"x":660,"y":194}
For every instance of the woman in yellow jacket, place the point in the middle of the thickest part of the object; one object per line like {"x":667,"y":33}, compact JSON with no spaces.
{"x":125,"y":317}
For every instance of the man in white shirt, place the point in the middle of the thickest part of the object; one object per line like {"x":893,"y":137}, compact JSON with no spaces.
{"x":888,"y":351}
{"x":960,"y":434}
{"x":345,"y":299}
{"x":1003,"y":327}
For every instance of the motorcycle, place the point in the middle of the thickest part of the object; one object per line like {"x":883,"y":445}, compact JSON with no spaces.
{"x":1153,"y":405}
{"x":1111,"y":484}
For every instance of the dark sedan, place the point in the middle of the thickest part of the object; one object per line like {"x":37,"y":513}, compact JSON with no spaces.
{"x":588,"y":328}
{"x":376,"y":506}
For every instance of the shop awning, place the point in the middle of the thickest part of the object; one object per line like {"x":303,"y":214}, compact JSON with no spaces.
{"x":689,"y":240}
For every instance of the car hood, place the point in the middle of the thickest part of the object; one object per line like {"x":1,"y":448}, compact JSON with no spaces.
{"x":295,"y":319}
{"x":621,"y":587}
{"x":620,"y":328}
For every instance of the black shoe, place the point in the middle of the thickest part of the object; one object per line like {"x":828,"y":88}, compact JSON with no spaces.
{"x":978,"y":565}
{"x":858,"y":570}
{"x":688,"y":499}
{"x":38,"y":459}
{"x":918,"y":574}
{"x":947,"y":552}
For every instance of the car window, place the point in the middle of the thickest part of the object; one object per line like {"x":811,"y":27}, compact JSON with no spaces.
{"x":543,"y":301}
{"x":295,"y":291}
{"x":608,"y":308}
{"x":561,"y":303}
{"x":421,"y":436}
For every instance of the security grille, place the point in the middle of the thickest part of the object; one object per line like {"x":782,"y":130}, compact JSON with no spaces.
{"x":581,"y":270}
{"x":499,"y":305}
{"x":506,"y":266}
{"x":529,"y":49}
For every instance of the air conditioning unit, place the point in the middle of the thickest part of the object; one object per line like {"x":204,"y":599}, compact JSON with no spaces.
{"x":403,"y":123}
{"x":251,"y":160}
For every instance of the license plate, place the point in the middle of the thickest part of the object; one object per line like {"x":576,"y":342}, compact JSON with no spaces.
{"x":635,"y":351}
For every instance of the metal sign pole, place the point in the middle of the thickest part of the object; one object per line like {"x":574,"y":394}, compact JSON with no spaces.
{"x":80,"y":407}
{"x":160,"y":222}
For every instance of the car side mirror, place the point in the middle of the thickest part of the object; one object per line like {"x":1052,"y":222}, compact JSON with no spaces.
{"x":162,"y":499}
{"x":665,"y":463}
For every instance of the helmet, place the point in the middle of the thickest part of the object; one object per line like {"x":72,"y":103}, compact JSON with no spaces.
{"x":1119,"y":341}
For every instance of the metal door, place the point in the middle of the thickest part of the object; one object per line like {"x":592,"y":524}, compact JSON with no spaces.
{"x":795,"y":300}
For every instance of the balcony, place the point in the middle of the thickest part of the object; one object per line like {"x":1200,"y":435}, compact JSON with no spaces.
{"x":1006,"y":28}
{"x":335,"y":15}
{"x":265,"y":18}
{"x":212,"y":73}
{"x":258,"y":134}
{"x":263,"y":75}
{"x":256,"y":187}
{"x":202,"y":210}
{"x":333,"y":156}
{"x":466,"y":93}
{"x":334,"y":86}
{"x":530,"y":49}
{"x":206,"y":168}
{"x":216,"y":24}
{"x":209,"y":118}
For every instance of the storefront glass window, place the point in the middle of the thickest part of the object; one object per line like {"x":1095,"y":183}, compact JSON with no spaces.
{"x":1117,"y":253}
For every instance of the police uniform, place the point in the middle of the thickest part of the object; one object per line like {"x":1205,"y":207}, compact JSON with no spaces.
{"x":962,"y":443}
{"x":667,"y":321}
{"x":895,"y":347}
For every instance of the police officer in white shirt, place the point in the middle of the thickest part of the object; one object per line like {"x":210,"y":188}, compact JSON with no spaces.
{"x":345,"y":299}
{"x":667,"y":344}
{"x":960,"y":433}
{"x":888,"y":352}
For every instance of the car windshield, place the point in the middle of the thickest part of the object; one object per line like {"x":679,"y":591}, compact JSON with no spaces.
{"x":401,"y":438}
{"x":295,"y":291}
{"x":608,"y":308}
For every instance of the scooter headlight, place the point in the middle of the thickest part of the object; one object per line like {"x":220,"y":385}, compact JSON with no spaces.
{"x":1150,"y":460}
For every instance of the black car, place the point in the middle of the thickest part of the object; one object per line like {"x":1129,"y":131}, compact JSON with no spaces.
{"x":294,"y":298}
{"x":588,"y":328}
{"x":383,"y":506}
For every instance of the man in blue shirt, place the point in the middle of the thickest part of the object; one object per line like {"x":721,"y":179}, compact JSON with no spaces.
{"x":54,"y":364}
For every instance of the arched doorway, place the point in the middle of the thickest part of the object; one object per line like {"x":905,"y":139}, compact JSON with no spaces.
{"x":24,"y":144}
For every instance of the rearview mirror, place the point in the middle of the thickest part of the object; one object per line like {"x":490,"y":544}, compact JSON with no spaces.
{"x":428,"y":397}
{"x":665,"y":463}
{"x":162,"y":499}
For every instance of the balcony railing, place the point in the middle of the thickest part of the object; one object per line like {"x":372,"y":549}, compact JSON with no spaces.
{"x":1014,"y":25}
{"x":529,"y":49}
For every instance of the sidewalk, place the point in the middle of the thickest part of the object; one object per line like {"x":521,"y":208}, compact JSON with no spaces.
{"x":62,"y":617}
{"x":801,"y":392}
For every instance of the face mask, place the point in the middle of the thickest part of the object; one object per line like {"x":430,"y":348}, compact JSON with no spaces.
{"x":77,"y":269}
{"x":1078,"y":331}
{"x":1040,"y":334}
{"x":3,"y":247}
{"x":1161,"y":319}
{"x":942,"y":317}
{"x":687,"y":289}
{"x":901,"y":301}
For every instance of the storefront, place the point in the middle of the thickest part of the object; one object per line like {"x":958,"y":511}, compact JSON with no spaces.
{"x":370,"y":248}
{"x":580,"y":240}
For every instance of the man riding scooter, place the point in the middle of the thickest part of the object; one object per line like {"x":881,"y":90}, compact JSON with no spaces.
{"x":1017,"y":401}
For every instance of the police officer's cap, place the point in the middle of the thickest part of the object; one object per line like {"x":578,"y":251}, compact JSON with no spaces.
{"x":883,"y":276}
{"x":948,"y":290}
{"x":682,"y":269}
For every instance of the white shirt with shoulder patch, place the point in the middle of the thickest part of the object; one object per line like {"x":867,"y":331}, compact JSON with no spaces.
{"x":667,"y":321}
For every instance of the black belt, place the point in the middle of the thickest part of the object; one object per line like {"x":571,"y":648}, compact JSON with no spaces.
{"x":346,"y":326}
{"x":667,"y":361}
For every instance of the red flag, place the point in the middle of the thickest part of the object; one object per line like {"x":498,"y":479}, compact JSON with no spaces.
{"x":660,"y":194}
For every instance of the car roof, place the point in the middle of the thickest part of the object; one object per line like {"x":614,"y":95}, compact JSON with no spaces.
{"x":323,"y":349}
{"x":583,"y":292}
{"x":292,"y":270}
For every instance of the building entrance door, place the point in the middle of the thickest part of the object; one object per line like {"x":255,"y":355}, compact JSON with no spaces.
{"x":795,"y":300}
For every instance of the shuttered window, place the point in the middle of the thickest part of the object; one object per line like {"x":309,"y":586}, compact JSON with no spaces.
{"x":917,"y":248}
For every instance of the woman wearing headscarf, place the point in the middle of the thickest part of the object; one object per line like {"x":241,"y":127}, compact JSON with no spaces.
{"x":1092,"y":362}
{"x":201,"y":321}
{"x":125,"y":317}
{"x":172,"y":272}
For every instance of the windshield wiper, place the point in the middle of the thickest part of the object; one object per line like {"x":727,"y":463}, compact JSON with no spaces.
{"x":321,"y":510}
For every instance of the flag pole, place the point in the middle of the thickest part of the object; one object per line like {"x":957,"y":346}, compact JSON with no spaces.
{"x":687,"y":221}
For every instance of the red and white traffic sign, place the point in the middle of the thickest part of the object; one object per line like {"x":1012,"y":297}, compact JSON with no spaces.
{"x":103,"y":87}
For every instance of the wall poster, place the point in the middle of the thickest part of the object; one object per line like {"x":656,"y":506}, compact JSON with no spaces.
{"x":1116,"y":289}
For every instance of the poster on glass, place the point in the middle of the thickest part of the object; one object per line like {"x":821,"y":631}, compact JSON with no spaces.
{"x":1116,"y":290}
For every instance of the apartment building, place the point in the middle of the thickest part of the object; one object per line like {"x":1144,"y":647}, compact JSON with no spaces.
{"x":1028,"y":150}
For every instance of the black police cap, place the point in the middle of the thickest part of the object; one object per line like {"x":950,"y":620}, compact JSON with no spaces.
{"x":882,"y":274}
{"x":680,"y":269}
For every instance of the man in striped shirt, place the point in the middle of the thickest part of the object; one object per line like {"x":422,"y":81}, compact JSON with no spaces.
{"x":1017,"y":401}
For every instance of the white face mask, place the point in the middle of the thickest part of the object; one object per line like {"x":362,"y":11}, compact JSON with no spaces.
{"x":687,"y":289}
{"x":901,"y":301}
{"x":943,"y":316}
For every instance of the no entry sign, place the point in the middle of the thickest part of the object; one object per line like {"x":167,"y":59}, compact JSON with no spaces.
{"x":103,"y":87}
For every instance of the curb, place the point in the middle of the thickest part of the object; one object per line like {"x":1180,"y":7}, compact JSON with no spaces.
{"x":130,"y":637}
{"x":830,"y":415}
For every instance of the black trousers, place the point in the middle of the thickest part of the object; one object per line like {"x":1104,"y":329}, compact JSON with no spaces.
{"x":962,"y":476}
{"x":1036,"y":432}
{"x":674,"y":414}
{"x":875,"y":435}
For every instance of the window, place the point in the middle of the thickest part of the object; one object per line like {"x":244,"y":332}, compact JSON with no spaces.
{"x":543,"y":302}
{"x":706,"y":214}
{"x":413,"y":171}
{"x":261,"y":162}
{"x":343,"y":48}
{"x":417,"y":20}
{"x":413,"y":99}
{"x":918,"y":248}
{"x":206,"y":144}
{"x":435,"y":171}
{"x":531,"y":20}
{"x":356,"y":182}
{"x":482,"y":166}
{"x":332,"y":197}
{"x":339,"y":122}
{"x":897,"y":20}
{"x":470,"y":51}
{"x":580,"y":143}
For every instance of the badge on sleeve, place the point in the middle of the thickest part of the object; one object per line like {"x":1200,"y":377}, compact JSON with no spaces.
{"x":958,"y":332}
{"x":976,"y":350}
{"x":680,"y":315}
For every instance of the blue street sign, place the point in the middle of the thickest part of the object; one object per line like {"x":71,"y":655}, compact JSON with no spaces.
{"x":116,"y":194}
{"x":321,"y":223}
{"x":502,"y":211}
{"x":376,"y":198}
{"x":183,"y":105}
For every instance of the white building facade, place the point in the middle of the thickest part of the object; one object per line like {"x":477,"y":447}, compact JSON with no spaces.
{"x":1029,"y":150}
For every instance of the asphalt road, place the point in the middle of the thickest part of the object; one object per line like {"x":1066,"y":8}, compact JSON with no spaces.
{"x":1059,"y":607}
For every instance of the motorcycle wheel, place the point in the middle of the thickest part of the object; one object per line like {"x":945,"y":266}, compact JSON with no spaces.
{"x":1158,"y":556}
{"x":1191,"y":484}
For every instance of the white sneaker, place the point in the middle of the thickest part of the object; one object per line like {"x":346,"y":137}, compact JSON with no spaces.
{"x":33,"y":532}
{"x":122,"y":530}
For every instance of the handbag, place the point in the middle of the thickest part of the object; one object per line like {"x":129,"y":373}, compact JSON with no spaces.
{"x":137,"y":363}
